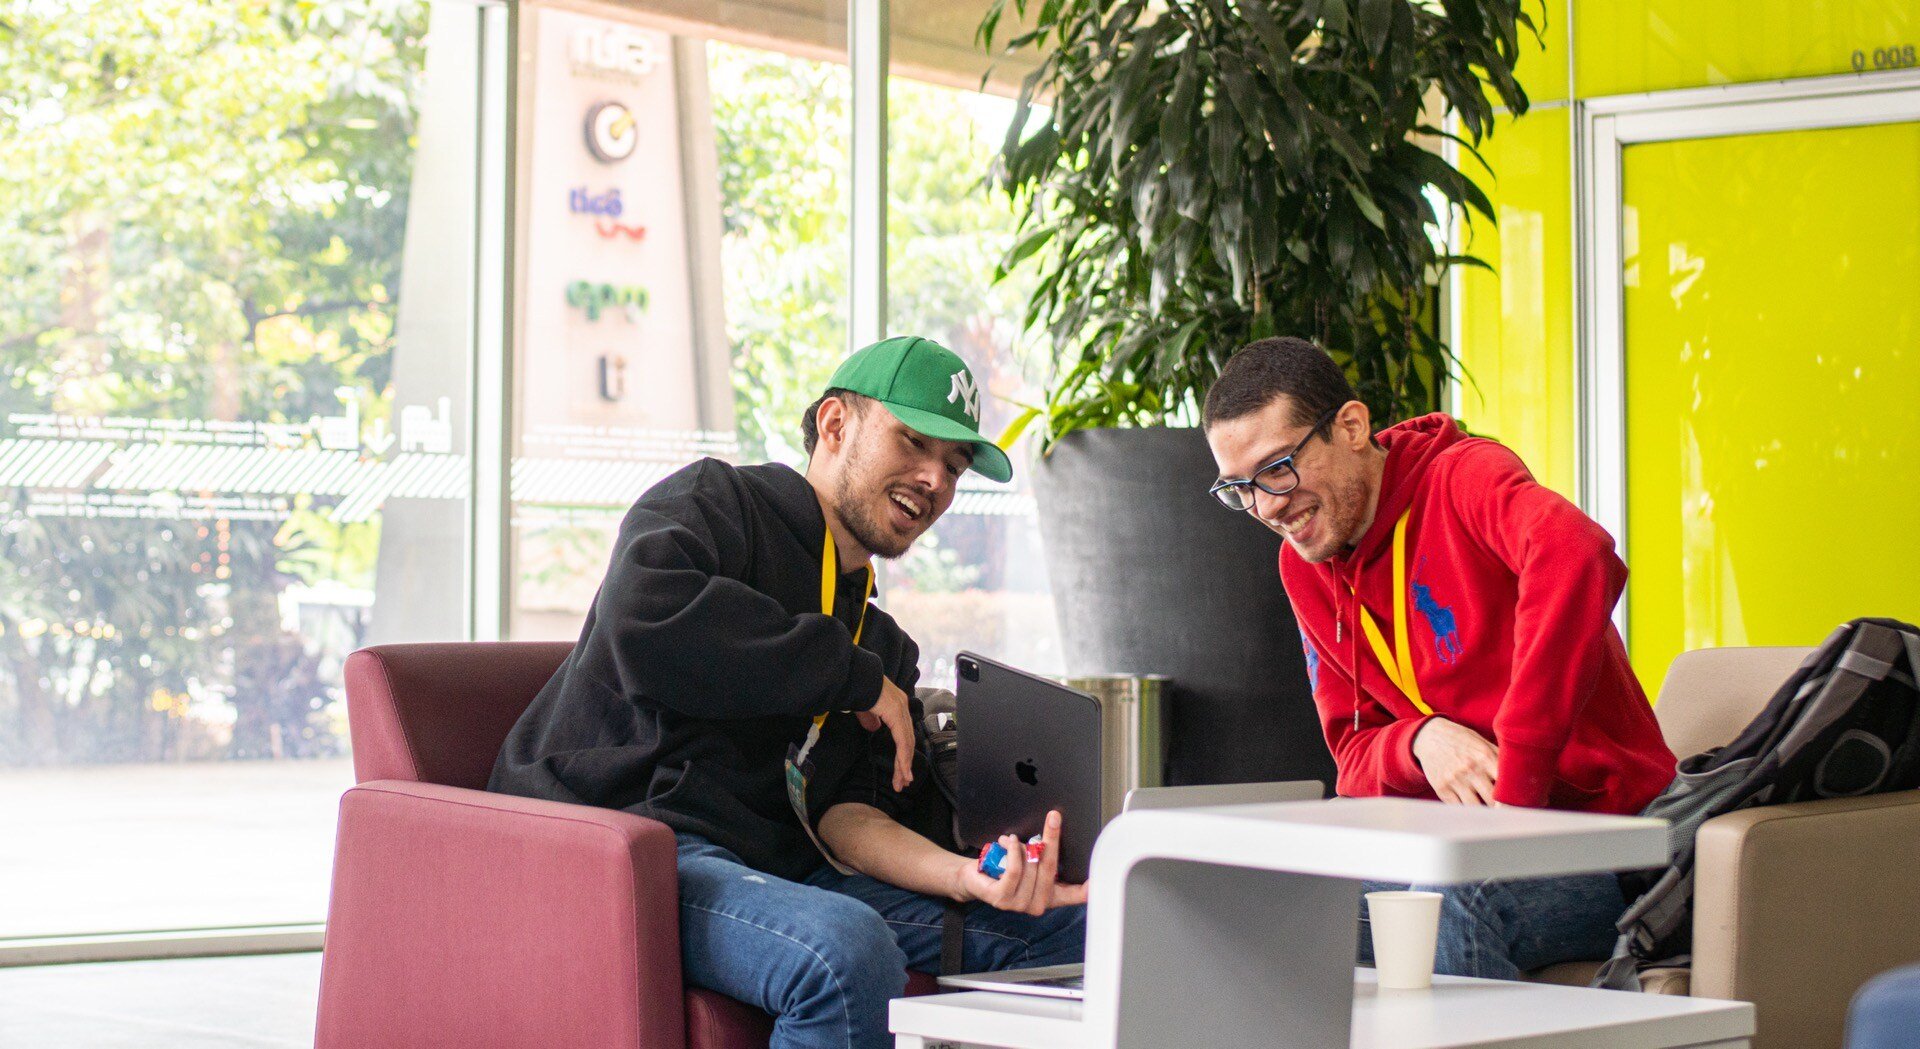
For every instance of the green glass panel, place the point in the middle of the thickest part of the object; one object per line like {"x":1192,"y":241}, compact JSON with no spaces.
{"x":1629,"y":46}
{"x":1516,"y":324}
{"x":1772,"y":366}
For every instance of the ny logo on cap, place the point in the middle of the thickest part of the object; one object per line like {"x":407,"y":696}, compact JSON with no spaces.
{"x":967,"y":394}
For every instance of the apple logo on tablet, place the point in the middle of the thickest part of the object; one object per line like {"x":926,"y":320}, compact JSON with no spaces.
{"x":1028,"y":772}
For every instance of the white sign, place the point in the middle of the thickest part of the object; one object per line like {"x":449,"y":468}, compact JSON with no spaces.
{"x":614,"y":49}
{"x":607,"y":260}
{"x":423,"y":431}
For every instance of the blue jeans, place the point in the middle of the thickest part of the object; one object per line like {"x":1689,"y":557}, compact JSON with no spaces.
{"x":825,"y":957}
{"x":1500,"y":929}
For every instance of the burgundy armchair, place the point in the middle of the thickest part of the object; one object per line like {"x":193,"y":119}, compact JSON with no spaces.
{"x":464,"y":919}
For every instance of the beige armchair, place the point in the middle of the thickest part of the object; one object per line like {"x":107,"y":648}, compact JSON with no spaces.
{"x":1795,"y":906}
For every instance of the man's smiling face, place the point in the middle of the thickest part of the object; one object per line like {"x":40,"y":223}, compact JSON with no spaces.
{"x":892,"y":482}
{"x":1332,"y":505}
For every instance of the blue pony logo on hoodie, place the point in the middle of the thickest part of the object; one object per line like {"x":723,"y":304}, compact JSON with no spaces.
{"x":1446,"y":633}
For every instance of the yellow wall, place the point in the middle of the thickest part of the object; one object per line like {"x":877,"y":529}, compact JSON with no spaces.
{"x":1543,"y":67}
{"x":1630,"y":46}
{"x":1518,"y":320}
{"x":1517,"y":326}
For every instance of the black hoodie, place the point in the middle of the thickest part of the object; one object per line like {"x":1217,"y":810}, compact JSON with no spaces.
{"x":705,"y":655}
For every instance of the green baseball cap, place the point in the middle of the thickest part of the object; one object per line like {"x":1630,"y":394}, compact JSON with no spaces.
{"x":929,"y":388}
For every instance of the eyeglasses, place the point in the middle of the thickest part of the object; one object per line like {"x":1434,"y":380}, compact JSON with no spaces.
{"x":1276,"y":478}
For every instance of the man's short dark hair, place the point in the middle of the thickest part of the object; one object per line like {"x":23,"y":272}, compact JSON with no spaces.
{"x":810,"y":424}
{"x":1258,"y":372}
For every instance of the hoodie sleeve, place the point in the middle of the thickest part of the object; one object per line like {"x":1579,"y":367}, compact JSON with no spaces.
{"x":870,"y":777}
{"x":1373,"y":751}
{"x":1570,"y":578}
{"x":869,"y":781}
{"x":687,"y":633}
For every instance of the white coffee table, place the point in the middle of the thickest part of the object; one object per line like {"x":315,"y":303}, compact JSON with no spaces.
{"x":1236,"y":926}
{"x":1457,"y":1013}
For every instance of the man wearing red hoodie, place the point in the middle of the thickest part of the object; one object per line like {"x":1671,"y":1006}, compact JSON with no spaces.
{"x":1457,"y":621}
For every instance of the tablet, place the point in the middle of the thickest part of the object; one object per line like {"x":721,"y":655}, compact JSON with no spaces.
{"x":1027,"y":744}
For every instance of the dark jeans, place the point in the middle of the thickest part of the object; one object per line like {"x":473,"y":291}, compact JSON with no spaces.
{"x":1500,"y":929}
{"x":826,"y":956}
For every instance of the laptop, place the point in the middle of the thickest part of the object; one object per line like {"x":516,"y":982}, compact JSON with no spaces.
{"x":1028,"y":745}
{"x":1069,"y":981}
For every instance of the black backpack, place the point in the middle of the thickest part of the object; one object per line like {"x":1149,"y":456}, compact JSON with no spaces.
{"x":1847,"y":723}
{"x":941,"y":747}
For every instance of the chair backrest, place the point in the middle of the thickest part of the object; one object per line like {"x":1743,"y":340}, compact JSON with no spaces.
{"x":1710,"y":694}
{"x":437,"y":713}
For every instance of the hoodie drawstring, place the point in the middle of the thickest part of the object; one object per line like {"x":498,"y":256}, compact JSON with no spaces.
{"x":1353,"y":647}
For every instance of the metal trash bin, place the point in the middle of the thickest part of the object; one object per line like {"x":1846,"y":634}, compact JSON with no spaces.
{"x":1133,"y":733}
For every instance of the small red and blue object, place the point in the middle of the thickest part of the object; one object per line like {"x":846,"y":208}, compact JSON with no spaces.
{"x":993,"y":857}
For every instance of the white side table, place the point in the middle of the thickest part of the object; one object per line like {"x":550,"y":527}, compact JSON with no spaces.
{"x":1236,"y":925}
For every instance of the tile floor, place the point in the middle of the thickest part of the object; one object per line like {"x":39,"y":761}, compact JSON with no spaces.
{"x":130,"y":848}
{"x":255,"y":1002}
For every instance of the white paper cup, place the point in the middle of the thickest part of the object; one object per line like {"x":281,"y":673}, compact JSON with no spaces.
{"x":1405,"y":925}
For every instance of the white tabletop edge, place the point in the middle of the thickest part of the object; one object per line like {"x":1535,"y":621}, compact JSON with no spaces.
{"x":1389,"y":839}
{"x":1007,"y":1021}
{"x":1536,"y":1013}
{"x":1389,"y":1020}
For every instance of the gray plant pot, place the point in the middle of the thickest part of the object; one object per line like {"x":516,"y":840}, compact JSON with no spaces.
{"x":1150,"y":576}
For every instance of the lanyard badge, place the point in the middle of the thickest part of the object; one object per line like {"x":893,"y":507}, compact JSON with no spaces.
{"x":800,"y":766}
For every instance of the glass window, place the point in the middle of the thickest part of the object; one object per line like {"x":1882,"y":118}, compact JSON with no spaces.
{"x":757,"y":143}
{"x":691,"y":297}
{"x":233,"y":433}
{"x":685,"y":278}
{"x":1757,"y":392}
{"x":976,"y":581}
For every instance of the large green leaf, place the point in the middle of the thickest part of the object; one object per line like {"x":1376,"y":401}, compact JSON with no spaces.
{"x":1213,"y":171}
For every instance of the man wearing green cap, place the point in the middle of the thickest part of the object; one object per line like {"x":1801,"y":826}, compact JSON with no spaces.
{"x":734,"y":681}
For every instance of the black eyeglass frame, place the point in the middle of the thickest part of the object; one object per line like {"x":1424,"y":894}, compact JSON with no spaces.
{"x":1241,"y":484}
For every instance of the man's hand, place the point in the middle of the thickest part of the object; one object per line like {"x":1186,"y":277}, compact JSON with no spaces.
{"x":892,"y":711}
{"x":1458,"y":761}
{"x":1029,"y":888}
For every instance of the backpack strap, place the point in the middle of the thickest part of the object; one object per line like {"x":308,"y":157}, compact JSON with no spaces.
{"x":953,"y":939}
{"x":940,"y":746}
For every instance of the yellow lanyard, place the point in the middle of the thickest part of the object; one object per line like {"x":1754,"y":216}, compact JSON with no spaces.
{"x":1398,"y":660}
{"x":798,"y":768}
{"x":829,"y":586}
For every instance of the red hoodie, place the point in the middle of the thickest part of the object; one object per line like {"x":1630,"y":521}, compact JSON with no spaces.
{"x":1510,"y":589}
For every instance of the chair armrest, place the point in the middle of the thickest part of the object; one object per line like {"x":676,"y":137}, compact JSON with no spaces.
{"x":1796,"y":906}
{"x":463,"y":918}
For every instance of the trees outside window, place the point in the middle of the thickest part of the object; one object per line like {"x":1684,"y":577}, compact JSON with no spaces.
{"x":202,"y":205}
{"x":204,"y":217}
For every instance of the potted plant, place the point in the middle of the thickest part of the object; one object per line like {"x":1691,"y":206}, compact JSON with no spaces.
{"x":1193,"y":175}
